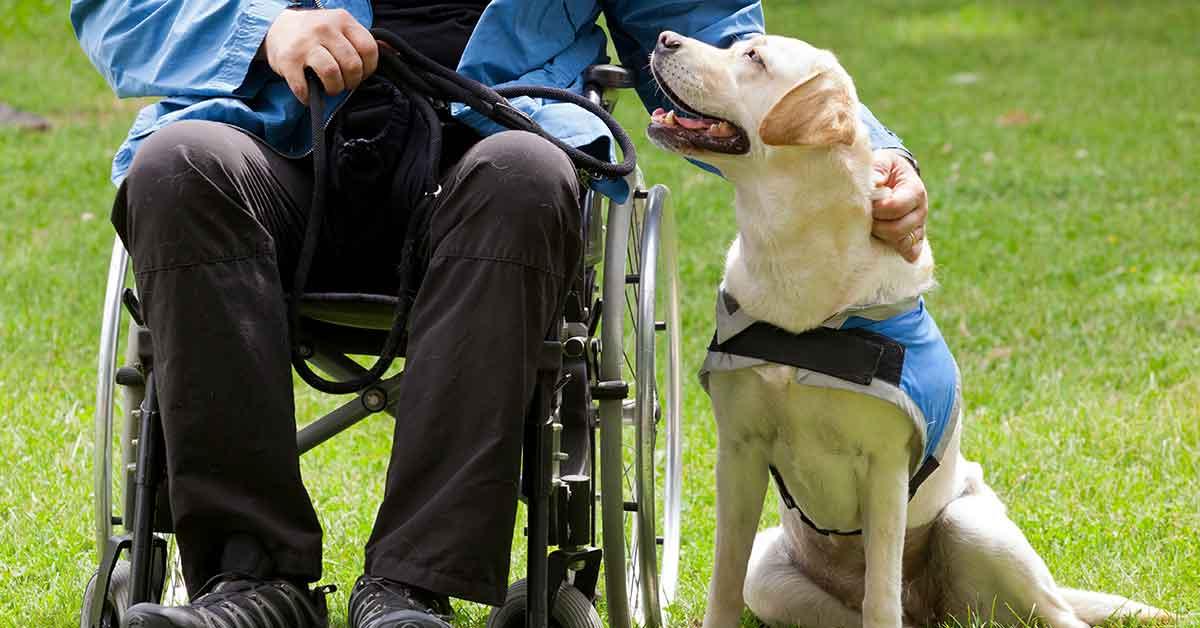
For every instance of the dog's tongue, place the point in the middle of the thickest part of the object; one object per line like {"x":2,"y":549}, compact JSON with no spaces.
{"x":715,"y":128}
{"x":693,"y":124}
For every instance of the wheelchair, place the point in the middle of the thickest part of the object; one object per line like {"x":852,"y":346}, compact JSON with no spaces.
{"x":604,"y":427}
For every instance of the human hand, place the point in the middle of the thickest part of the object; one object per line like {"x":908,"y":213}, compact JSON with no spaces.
{"x":339,"y":50}
{"x":900,"y":215}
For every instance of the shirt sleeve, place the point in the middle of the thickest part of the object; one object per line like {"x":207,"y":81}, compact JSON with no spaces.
{"x":883,"y":137}
{"x":635,"y":25}
{"x":203,"y":48}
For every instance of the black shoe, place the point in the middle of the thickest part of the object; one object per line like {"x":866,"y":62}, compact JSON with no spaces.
{"x":382,"y":603}
{"x":235,"y":601}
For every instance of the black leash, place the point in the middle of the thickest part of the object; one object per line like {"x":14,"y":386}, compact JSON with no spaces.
{"x":415,"y":73}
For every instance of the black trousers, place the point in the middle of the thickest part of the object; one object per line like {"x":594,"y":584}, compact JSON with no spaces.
{"x":213,"y":220}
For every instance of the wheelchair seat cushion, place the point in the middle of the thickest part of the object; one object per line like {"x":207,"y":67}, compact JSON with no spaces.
{"x":347,"y":309}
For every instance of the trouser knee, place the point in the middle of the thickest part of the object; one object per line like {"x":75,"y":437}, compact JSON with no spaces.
{"x":517,"y":201}
{"x":180,"y":203}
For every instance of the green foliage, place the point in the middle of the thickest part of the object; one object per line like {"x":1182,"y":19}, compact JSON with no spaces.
{"x":1057,"y":140}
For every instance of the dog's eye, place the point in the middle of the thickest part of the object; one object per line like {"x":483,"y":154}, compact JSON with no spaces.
{"x":753,"y":55}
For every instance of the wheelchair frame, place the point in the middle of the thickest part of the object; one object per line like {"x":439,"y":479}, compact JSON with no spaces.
{"x":583,"y":395}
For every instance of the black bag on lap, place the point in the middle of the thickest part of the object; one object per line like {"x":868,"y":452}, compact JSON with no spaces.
{"x":384,"y":153}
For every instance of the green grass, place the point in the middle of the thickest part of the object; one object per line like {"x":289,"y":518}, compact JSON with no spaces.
{"x":1058,"y":144}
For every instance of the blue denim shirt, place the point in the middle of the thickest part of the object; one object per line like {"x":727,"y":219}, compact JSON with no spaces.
{"x":200,"y":56}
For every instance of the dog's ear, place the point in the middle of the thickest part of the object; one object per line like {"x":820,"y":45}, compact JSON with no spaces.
{"x":817,"y":111}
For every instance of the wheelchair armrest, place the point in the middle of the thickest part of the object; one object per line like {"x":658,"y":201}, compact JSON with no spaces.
{"x":608,"y":76}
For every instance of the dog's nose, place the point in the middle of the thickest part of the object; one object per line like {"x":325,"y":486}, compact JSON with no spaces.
{"x":668,"y":42}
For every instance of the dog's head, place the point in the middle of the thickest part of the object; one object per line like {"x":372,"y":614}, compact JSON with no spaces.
{"x":756,"y":98}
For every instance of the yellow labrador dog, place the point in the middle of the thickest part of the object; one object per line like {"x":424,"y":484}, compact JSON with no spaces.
{"x":828,"y":376}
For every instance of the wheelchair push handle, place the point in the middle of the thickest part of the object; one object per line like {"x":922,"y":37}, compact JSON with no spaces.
{"x":608,"y":76}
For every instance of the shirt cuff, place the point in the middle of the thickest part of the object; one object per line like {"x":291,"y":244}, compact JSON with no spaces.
{"x":907,"y":155}
{"x":252,"y":26}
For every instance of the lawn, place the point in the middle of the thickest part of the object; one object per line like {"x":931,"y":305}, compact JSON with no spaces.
{"x":1058,"y":141}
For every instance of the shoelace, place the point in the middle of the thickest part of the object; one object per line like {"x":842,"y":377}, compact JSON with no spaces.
{"x":282,"y":610}
{"x":381,"y":598}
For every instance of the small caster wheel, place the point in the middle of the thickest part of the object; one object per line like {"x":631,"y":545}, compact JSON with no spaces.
{"x":571,"y":609}
{"x":115,"y":603}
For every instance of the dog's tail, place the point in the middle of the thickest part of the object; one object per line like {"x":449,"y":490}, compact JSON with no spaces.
{"x":1097,"y":608}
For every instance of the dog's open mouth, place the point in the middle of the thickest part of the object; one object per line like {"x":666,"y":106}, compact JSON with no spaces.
{"x":684,"y":129}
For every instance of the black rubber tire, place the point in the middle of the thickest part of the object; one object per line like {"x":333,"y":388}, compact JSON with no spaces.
{"x":571,"y":609}
{"x":118,"y":597}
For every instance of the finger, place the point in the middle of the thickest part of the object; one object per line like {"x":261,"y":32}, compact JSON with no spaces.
{"x":879,"y":177}
{"x":289,"y":64}
{"x":348,"y":60}
{"x":294,"y":75}
{"x":907,"y":196}
{"x":326,"y":67}
{"x":914,"y":253}
{"x":364,"y":43}
{"x":894,"y":231}
{"x":910,"y":245}
{"x":885,"y":164}
{"x":903,"y":223}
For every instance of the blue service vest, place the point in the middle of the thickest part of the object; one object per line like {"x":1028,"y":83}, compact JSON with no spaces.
{"x":893,"y":352}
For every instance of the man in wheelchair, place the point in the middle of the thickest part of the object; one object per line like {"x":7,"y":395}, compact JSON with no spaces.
{"x":213,"y":202}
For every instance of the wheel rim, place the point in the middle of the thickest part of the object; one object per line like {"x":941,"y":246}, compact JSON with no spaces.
{"x":642,"y":502}
{"x":654,"y":535}
{"x":636,"y":565}
{"x":641,"y":565}
{"x":105,"y":382}
{"x":612,"y":368}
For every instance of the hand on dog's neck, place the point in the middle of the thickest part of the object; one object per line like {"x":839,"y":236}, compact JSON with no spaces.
{"x":804,"y":250}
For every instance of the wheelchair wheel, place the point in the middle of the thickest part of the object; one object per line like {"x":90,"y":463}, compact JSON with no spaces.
{"x":117,"y":425}
{"x":116,"y":601}
{"x":571,"y":609}
{"x":640,"y":439}
{"x":102,"y":463}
